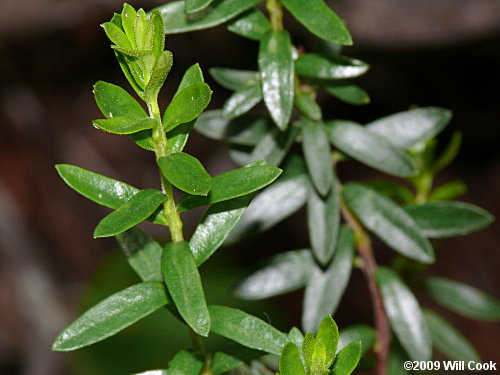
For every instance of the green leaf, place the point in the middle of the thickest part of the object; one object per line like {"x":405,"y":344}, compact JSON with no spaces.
{"x":448,"y":219}
{"x":192,"y":76}
{"x":448,"y":340}
{"x":137,"y":209}
{"x":323,"y":218}
{"x":136,"y":85}
{"x":222,"y":363}
{"x":306,"y":104}
{"x":358,"y":332}
{"x":143,"y":253}
{"x":157,"y":29}
{"x":184,"y":284}
{"x":328,"y":333}
{"x":308,"y":346}
{"x":187,"y":105}
{"x":193,"y":6}
{"x":371,"y":149}
{"x":233,"y":184}
{"x":113,"y":101}
{"x":450,"y":152}
{"x":290,"y":362}
{"x":345,"y":91}
{"x":332,"y":67}
{"x":463,"y":299}
{"x":220,"y":12}
{"x":186,"y":173}
{"x":242,"y":100}
{"x":273,"y":148}
{"x":389,"y":222}
{"x":215,"y":225}
{"x":128,"y":23}
{"x":185,"y":363}
{"x":153,"y":372}
{"x":158,"y":75}
{"x":405,"y":129}
{"x":252,"y":24}
{"x":112,"y":315}
{"x":246,"y":329}
{"x":125,"y":124}
{"x":233,"y":79}
{"x":391,"y":189}
{"x":317,"y":154}
{"x":276,"y":67}
{"x":405,"y":315}
{"x":448,"y":191}
{"x":325,"y":288}
{"x":116,"y":35}
{"x":319,"y":19}
{"x":296,"y":336}
{"x":280,"y":274}
{"x":347,"y":359}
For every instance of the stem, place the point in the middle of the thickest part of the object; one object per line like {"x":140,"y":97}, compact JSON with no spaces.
{"x":275,"y":9}
{"x":369,"y":266}
{"x":423,"y":184}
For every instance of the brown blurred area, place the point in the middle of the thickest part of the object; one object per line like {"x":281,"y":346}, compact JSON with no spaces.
{"x":438,"y":52}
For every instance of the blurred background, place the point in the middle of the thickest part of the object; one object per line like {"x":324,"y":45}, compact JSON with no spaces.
{"x":435,"y":52}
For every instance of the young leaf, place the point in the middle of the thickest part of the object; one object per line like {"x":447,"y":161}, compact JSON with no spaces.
{"x":143,"y":253}
{"x":116,"y":35}
{"x":339,"y":67}
{"x":347,"y":359}
{"x":193,"y":6}
{"x":242,"y":100}
{"x":113,"y":101}
{"x":220,"y":12}
{"x":186,"y":173}
{"x":317,"y":154}
{"x":463,"y":299}
{"x":187,"y":105}
{"x":252,"y":24}
{"x":328,"y":332}
{"x":246,"y":329}
{"x":274,"y":148}
{"x":308,"y":346}
{"x":281,"y":274}
{"x":405,"y":315}
{"x":276,"y":67}
{"x":306,"y":104}
{"x":222,"y":363}
{"x":405,"y":129}
{"x":296,"y":336}
{"x":448,"y":340}
{"x":125,"y":124}
{"x":290,"y":362}
{"x":185,"y":363}
{"x":345,"y":91}
{"x":134,"y":211}
{"x":112,"y":315}
{"x":184,"y":284}
{"x":158,"y":75}
{"x":389,"y":222}
{"x":215,"y":225}
{"x":370,"y":149}
{"x":358,"y":332}
{"x":448,"y":219}
{"x":233,"y":79}
{"x":325,"y":288}
{"x":448,"y":191}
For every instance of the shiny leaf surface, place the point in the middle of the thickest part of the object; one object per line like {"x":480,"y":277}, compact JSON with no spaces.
{"x":185,"y":363}
{"x":242,"y":100}
{"x":338,"y":67}
{"x":290,"y":362}
{"x":114,"y":101}
{"x":186,"y":173}
{"x":347,"y":359}
{"x":347,"y":92}
{"x":273,"y":148}
{"x":233,"y":79}
{"x":125,"y":124}
{"x":252,"y":24}
{"x":193,"y":6}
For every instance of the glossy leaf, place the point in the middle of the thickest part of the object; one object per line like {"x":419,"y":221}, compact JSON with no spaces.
{"x":448,"y":191}
{"x":448,"y":340}
{"x":347,"y":359}
{"x":153,"y":372}
{"x":116,"y":35}
{"x":276,"y":67}
{"x":184,"y":284}
{"x":328,"y":333}
{"x":137,"y":209}
{"x":143,"y":253}
{"x":242,"y":100}
{"x":220,"y":12}
{"x":389,"y":222}
{"x":290,"y":362}
{"x":358,"y":332}
{"x":448,"y":219}
{"x":185,"y":363}
{"x":222,"y":363}
{"x":317,"y":154}
{"x":347,"y":92}
{"x":114,"y":101}
{"x":320,"y":20}
{"x":125,"y":124}
{"x":405,"y":315}
{"x":338,"y":67}
{"x":233,"y":184}
{"x":112,"y":315}
{"x":187,"y":105}
{"x":371,"y":149}
{"x":246,"y":329}
{"x":186,"y":173}
{"x":463,"y":299}
{"x":274,"y":148}
{"x":233,"y":79}
{"x":281,"y":274}
{"x":252,"y":24}
{"x":325,"y":288}
{"x":122,"y":61}
{"x":215,"y":225}
{"x":296,"y":336}
{"x":306,"y":104}
{"x":405,"y":129}
{"x":193,"y":6}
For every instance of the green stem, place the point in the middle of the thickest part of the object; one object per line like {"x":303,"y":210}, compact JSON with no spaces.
{"x":423,"y":185}
{"x":275,"y":9}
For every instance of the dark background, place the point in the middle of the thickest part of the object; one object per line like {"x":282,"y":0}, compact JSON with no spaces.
{"x":441,"y":52}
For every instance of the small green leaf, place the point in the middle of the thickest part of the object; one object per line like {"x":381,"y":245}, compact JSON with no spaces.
{"x":242,"y":100}
{"x":158,"y":31}
{"x":112,"y":315}
{"x":347,"y":359}
{"x":276,"y":67}
{"x":193,"y":6}
{"x":158,"y":75}
{"x":338,"y":67}
{"x":405,"y":315}
{"x":192,"y":76}
{"x":136,"y":85}
{"x":328,"y":333}
{"x":143,"y":253}
{"x":125,"y":124}
{"x":389,"y":222}
{"x":325,"y":288}
{"x":280,"y":274}
{"x":308,"y":346}
{"x":296,"y":336}
{"x":187,"y":105}
{"x":222,"y":363}
{"x":290,"y":362}
{"x":306,"y":104}
{"x":233,"y":79}
{"x":252,"y":24}
{"x":116,"y":35}
{"x":391,"y":189}
{"x":273,"y":148}
{"x":185,"y":363}
{"x":358,"y":332}
{"x":448,"y":191}
{"x":405,"y":129}
{"x":186,"y":173}
{"x":128,"y":23}
{"x":184,"y":284}
{"x":371,"y":149}
{"x":345,"y":91}
{"x":134,"y":211}
{"x":463,"y":299}
{"x":448,"y":340}
{"x":448,"y":219}
{"x":113,"y":101}
{"x":246,"y":329}
{"x":319,"y":19}
{"x":450,"y":152}
{"x":220,"y":12}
